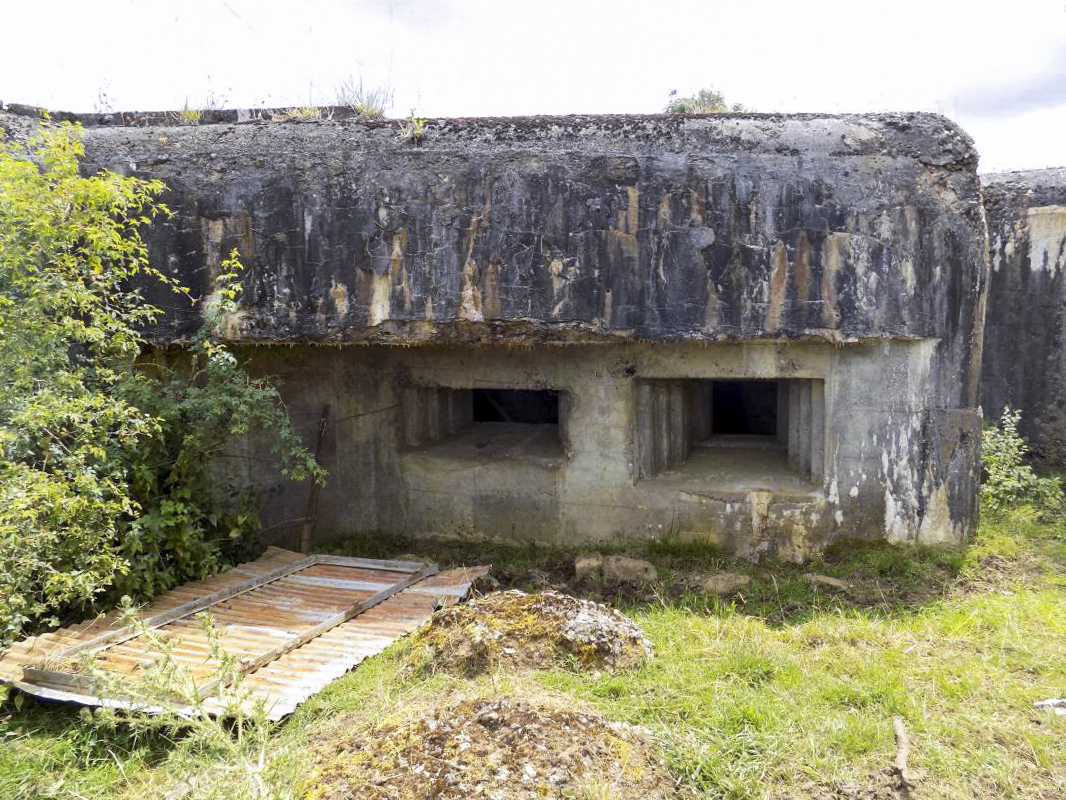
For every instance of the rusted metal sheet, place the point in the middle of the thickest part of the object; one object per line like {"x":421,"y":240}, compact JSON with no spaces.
{"x":295,"y":622}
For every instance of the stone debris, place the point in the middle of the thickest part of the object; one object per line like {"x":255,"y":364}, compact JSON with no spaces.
{"x":588,"y":565}
{"x":1056,"y":704}
{"x":528,"y":631}
{"x":614,"y":569}
{"x":485,"y":584}
{"x":826,"y":582}
{"x":629,"y":570}
{"x":719,"y":583}
{"x":498,"y":748}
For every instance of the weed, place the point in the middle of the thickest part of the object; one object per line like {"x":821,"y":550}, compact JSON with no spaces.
{"x":212,"y":713}
{"x":368,"y":103}
{"x":414,"y":129}
{"x":299,"y":113}
{"x":190,"y":116}
{"x":685,"y":552}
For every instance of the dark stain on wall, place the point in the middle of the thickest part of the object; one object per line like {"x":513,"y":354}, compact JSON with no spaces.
{"x":1025,"y":341}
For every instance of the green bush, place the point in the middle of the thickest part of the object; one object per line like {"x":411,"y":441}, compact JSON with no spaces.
{"x":196,"y":517}
{"x":1008,"y":480}
{"x":107,"y":467}
{"x":706,"y":101}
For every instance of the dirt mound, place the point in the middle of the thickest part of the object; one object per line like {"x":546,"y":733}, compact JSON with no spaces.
{"x":501,"y":748}
{"x":528,"y":631}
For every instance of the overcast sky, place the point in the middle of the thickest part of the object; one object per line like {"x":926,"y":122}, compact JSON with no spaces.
{"x":999,"y":69}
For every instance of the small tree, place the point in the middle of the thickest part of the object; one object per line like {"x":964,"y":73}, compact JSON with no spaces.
{"x":706,"y":101}
{"x":104,"y":468}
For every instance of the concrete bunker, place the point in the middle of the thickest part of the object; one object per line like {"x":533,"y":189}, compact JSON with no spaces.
{"x":759,"y":330}
{"x":1025,"y":350}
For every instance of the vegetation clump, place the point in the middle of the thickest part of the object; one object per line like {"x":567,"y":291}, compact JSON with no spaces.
{"x":190,"y":116}
{"x":500,"y":747}
{"x":705,"y":101}
{"x":367,"y":102}
{"x":414,"y":129}
{"x":528,"y":631}
{"x":298,"y":113}
{"x":1009,"y":480}
{"x":109,"y":453}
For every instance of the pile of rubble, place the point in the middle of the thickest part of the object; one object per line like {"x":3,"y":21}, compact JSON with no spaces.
{"x":528,"y":631}
{"x":497,"y":748}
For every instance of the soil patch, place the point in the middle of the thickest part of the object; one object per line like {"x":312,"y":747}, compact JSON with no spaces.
{"x":528,"y":631}
{"x":882,"y":786}
{"x":503,"y":748}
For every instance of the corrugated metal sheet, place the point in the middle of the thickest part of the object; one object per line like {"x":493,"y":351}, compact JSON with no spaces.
{"x":256,"y":623}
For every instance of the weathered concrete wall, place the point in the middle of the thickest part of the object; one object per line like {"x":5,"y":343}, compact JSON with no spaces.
{"x":877,"y":436}
{"x":586,"y":254}
{"x":1025,"y":345}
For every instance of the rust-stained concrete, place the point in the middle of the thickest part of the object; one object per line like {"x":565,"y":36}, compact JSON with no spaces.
{"x":587,"y":255}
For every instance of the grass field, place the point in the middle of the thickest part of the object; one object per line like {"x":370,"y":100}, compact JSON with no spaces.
{"x":786,"y":690}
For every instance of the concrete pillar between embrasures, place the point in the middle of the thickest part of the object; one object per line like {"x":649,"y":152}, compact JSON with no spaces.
{"x":445,"y":402}
{"x":817,"y":430}
{"x":431,"y":397}
{"x":645,"y":426}
{"x":782,"y":412}
{"x":449,"y":400}
{"x":662,"y":427}
{"x":678,"y":445}
{"x":564,"y":419}
{"x":708,"y":403}
{"x":794,"y":424}
{"x":804,"y":387}
{"x":433,"y":412}
{"x":462,"y":409}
